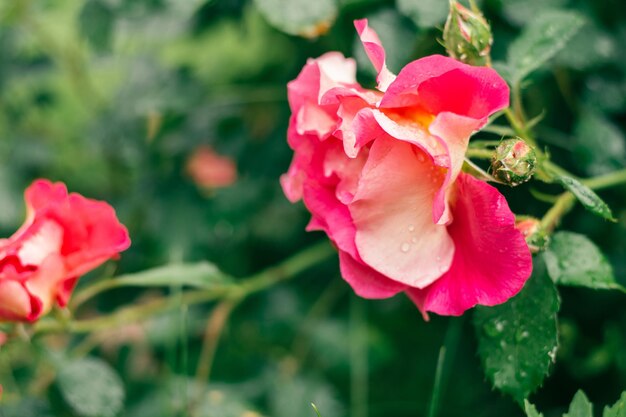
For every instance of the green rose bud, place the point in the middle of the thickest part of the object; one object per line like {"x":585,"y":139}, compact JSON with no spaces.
{"x":467,"y":35}
{"x":513,"y":162}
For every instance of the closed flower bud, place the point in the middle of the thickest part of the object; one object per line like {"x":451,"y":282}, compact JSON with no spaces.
{"x":514,"y":162}
{"x":467,"y":35}
{"x":535,"y":236}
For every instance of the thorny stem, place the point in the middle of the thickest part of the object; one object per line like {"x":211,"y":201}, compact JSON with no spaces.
{"x":258,"y":282}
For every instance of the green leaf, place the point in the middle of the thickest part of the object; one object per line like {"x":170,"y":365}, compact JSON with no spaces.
{"x":540,"y":40}
{"x":91,"y":388}
{"x":531,"y":410}
{"x":425,"y":13}
{"x":520,"y":12}
{"x":580,"y":406}
{"x":573,"y":259}
{"x":96,"y":23}
{"x":618,"y":409}
{"x":299,"y":17}
{"x":600,"y":145}
{"x":587,"y":197}
{"x":201,"y":274}
{"x":517,"y":340}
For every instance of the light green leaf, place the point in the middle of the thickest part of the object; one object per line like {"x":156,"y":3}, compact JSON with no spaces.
{"x":573,"y":259}
{"x":618,"y":409}
{"x":540,"y":40}
{"x":517,"y":340}
{"x":91,"y":388}
{"x":580,"y":406}
{"x":531,"y":410}
{"x":587,"y":197}
{"x":425,"y":13}
{"x":299,"y":17}
{"x":201,"y":274}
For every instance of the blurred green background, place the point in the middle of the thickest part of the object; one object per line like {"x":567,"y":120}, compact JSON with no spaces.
{"x":113,"y":97}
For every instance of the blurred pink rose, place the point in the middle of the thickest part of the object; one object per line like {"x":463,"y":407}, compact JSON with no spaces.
{"x":209,"y":170}
{"x":64,"y":236}
{"x":380,"y":172}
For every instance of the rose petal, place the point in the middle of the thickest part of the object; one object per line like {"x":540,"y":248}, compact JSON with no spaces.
{"x":365,"y":281}
{"x":491,"y":261}
{"x":442,"y":84}
{"x":16,"y":303}
{"x":392,"y":213}
{"x":376,"y":53}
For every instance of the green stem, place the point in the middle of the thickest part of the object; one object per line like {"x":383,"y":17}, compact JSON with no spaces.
{"x":447,"y":350}
{"x":562,"y":206}
{"x":607,"y":180}
{"x":254,"y":284}
{"x":479,"y":153}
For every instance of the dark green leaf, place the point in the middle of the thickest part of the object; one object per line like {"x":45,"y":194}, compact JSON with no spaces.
{"x":521,"y":12}
{"x":618,"y":409}
{"x":201,"y":274}
{"x":540,"y":40}
{"x":96,"y":22}
{"x":580,"y":406}
{"x":572,"y":259}
{"x":587,"y":197}
{"x":517,"y":340}
{"x":425,"y":13}
{"x":600,"y":145}
{"x":299,"y":17}
{"x":91,"y":388}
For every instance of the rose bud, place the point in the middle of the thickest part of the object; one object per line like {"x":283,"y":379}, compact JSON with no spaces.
{"x":467,"y":35}
{"x":513,"y":162}
{"x":535,"y":236}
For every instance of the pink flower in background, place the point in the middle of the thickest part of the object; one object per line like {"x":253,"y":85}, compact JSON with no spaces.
{"x":64,"y":236}
{"x":210,"y":170}
{"x":380,"y":172}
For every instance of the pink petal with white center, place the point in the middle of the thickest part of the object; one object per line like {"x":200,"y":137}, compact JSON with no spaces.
{"x":365,"y":281}
{"x":442,"y":84}
{"x":392,"y":213}
{"x":491,"y":262}
{"x":16,"y":303}
{"x":455,"y":132}
{"x":376,"y":53}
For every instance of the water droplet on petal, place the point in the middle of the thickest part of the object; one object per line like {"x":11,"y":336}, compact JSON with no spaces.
{"x":411,"y":228}
{"x":421,"y":157}
{"x":405,"y":247}
{"x":414,"y":239}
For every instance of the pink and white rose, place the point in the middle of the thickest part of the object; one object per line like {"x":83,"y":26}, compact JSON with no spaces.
{"x":380,"y":172}
{"x":64,"y":236}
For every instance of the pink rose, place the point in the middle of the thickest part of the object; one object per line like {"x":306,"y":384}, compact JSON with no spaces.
{"x":211,"y":170}
{"x":64,"y":236}
{"x":380,"y":172}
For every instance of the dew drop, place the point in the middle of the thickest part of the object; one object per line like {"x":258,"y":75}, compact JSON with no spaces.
{"x":521,"y":335}
{"x":405,"y":247}
{"x":414,"y":239}
{"x":421,"y":157}
{"x":411,"y":228}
